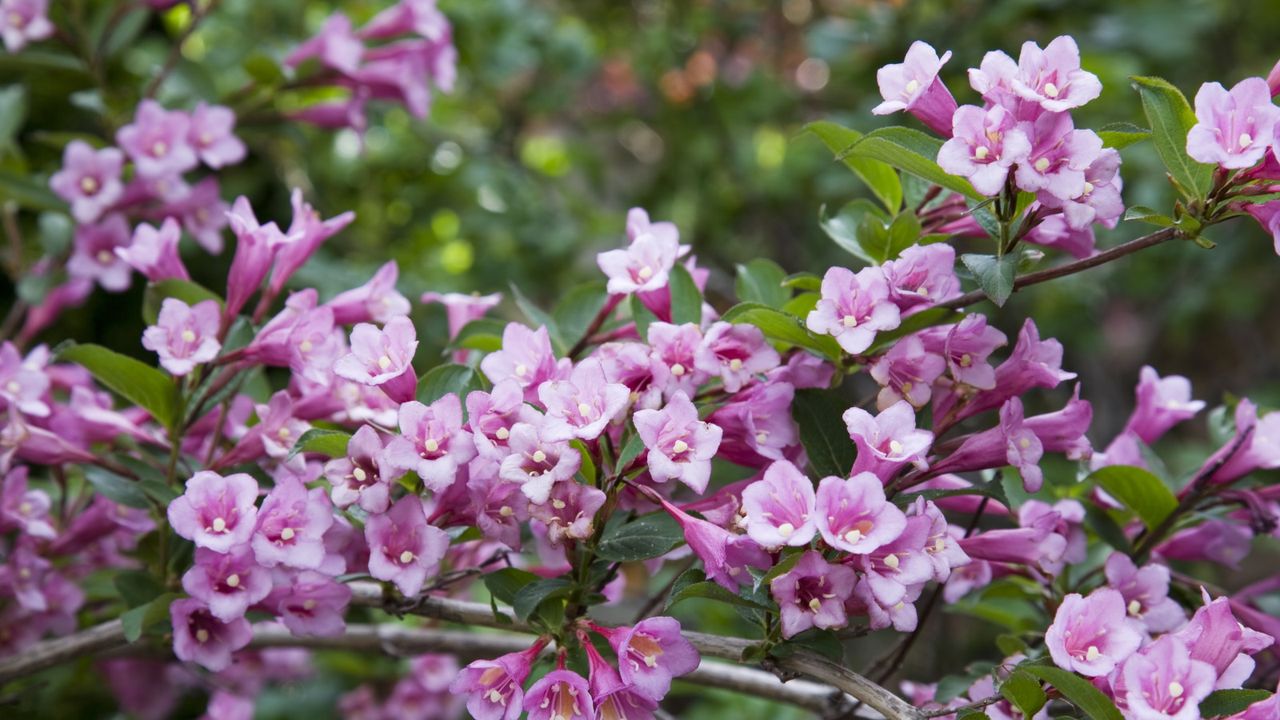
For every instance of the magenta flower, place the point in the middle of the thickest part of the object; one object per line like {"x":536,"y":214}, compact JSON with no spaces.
{"x":23,"y":509}
{"x":154,"y":252}
{"x":941,"y":544}
{"x":212,"y":136}
{"x":900,"y":614}
{"x":854,"y":308}
{"x":89,"y":180}
{"x":307,"y":231}
{"x":1092,"y":635}
{"x":358,"y":478}
{"x":336,"y":46}
{"x":922,"y":275}
{"x":256,"y":246}
{"x":1161,"y":404}
{"x":895,"y":571}
{"x":156,"y":141}
{"x":1034,"y":363}
{"x":494,"y":688}
{"x":227,"y":583}
{"x":1260,"y":450}
{"x":643,"y":266}
{"x":651,"y":653}
{"x":735,"y":353}
{"x":913,"y":85}
{"x":984,"y":146}
{"x":854,"y":516}
{"x":812,"y":594}
{"x":375,"y":301}
{"x":500,"y":508}
{"x":724,"y":556}
{"x":780,"y":507}
{"x":1050,"y":78}
{"x":291,"y":526}
{"x":560,"y":695}
{"x":536,"y":462}
{"x":966,"y":347}
{"x":757,"y":423}
{"x":312,"y":604}
{"x":1059,"y":157}
{"x":403,"y":548}
{"x":216,"y":512}
{"x":582,"y":405}
{"x":22,"y":387}
{"x":1146,"y":593}
{"x":907,"y":372}
{"x":432,"y":442}
{"x":1216,"y":637}
{"x":1234,"y":128}
{"x":184,"y":336}
{"x":279,"y":427}
{"x":1163,"y":682}
{"x":1023,"y":448}
{"x":888,"y":441}
{"x":1100,"y":201}
{"x":614,"y":698}
{"x":24,"y":21}
{"x":200,"y":637}
{"x":420,"y":17}
{"x":569,"y":511}
{"x":95,"y":255}
{"x":680,"y":445}
{"x":672,"y":352}
{"x":383,"y":358}
{"x":525,"y":357}
{"x":491,"y":417}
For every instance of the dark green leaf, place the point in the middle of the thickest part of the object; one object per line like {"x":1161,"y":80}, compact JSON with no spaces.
{"x":645,"y":537}
{"x":1077,"y":691}
{"x":505,"y":583}
{"x":689,"y":577}
{"x":806,"y":281}
{"x":858,"y":226}
{"x":529,"y":597}
{"x":712,"y":591}
{"x":879,"y":176}
{"x":823,"y":432}
{"x":140,"y":619}
{"x":913,"y":324}
{"x":911,"y":151}
{"x":142,"y":384}
{"x":330,"y":443}
{"x":1101,"y":523}
{"x":630,"y":452}
{"x":1171,"y":119}
{"x":29,"y":193}
{"x":264,"y":70}
{"x":137,"y":587}
{"x":823,"y":642}
{"x":686,"y":300}
{"x":449,"y":378}
{"x":484,"y":334}
{"x":1024,"y":692}
{"x":779,"y":326}
{"x":13,"y":112}
{"x":578,"y":307}
{"x":994,"y":275}
{"x":117,"y":489}
{"x":1140,"y":491}
{"x":762,"y":281}
{"x":1147,"y":215}
{"x":903,"y":233}
{"x":642,"y":316}
{"x":540,"y":318}
{"x":1122,"y":135}
{"x":1230,"y":702}
{"x":184,"y":290}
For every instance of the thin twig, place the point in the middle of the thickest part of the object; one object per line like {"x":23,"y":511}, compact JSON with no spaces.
{"x":175,"y":52}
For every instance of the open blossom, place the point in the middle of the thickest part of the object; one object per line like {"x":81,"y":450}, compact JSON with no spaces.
{"x":1100,"y":200}
{"x":23,"y":509}
{"x":184,"y":336}
{"x":383,"y":358}
{"x":89,"y":179}
{"x":432,"y":441}
{"x":216,"y":512}
{"x":672,"y":352}
{"x":526,"y":357}
{"x":642,"y":266}
{"x":311,"y":603}
{"x":984,"y":145}
{"x":154,"y":251}
{"x":560,"y":695}
{"x":651,"y":653}
{"x":853,"y":308}
{"x":211,"y":135}
{"x":735,"y":353}
{"x":1146,"y":593}
{"x":95,"y":255}
{"x":495,"y":688}
{"x":291,"y":526}
{"x":913,"y":85}
{"x":22,"y":21}
{"x":21,"y":387}
{"x":724,"y":555}
{"x":1233,"y":128}
{"x":1215,"y":636}
{"x":812,"y":594}
{"x":922,"y":275}
{"x":375,"y":301}
{"x":780,"y":507}
{"x":966,"y":346}
{"x":359,"y":477}
{"x":1163,"y":682}
{"x":680,"y":445}
{"x":1092,"y":635}
{"x":1050,"y":78}
{"x":569,"y":511}
{"x":228,"y":583}
{"x":536,"y":462}
{"x":491,"y":417}
{"x":200,"y":637}
{"x":1255,"y":446}
{"x":614,"y":698}
{"x":584,"y":404}
{"x":403,"y":548}
{"x":156,"y":141}
{"x":1059,"y":157}
{"x":1161,"y":404}
{"x":757,"y":423}
{"x":907,"y":372}
{"x":854,"y":516}
{"x":888,"y":441}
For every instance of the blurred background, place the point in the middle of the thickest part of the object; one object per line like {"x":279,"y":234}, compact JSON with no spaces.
{"x":566,"y":114}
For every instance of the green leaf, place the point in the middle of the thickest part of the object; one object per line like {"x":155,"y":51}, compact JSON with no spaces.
{"x":823,"y":642}
{"x":1077,"y":691}
{"x":539,"y":318}
{"x":138,"y":620}
{"x":995,"y":276}
{"x":712,"y":591}
{"x":578,"y":308}
{"x":588,"y":466}
{"x":139,"y":383}
{"x":449,"y":378}
{"x":117,"y":489}
{"x":856,"y":227}
{"x":783,"y":566}
{"x":629,"y":453}
{"x":529,"y":597}
{"x":903,"y":233}
{"x":645,"y":537}
{"x":911,"y":151}
{"x":1122,"y":135}
{"x":1230,"y":702}
{"x":137,"y":587}
{"x":1140,"y":491}
{"x":29,"y":193}
{"x":330,"y":443}
{"x":686,"y":300}
{"x":805,"y":281}
{"x":762,"y":281}
{"x":13,"y":112}
{"x":878,"y":176}
{"x":505,"y":583}
{"x":1024,"y":692}
{"x":1106,"y":528}
{"x":913,"y":324}
{"x":1171,"y":119}
{"x":184,"y":290}
{"x":782,"y":327}
{"x":1147,"y":215}
{"x":823,"y":432}
{"x":264,"y":70}
{"x":692,"y":576}
{"x":484,"y":334}
{"x":642,"y":316}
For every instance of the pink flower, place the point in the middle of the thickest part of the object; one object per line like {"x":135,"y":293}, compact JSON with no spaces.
{"x":724,"y":556}
{"x":1163,"y":682}
{"x":1146,"y":593}
{"x":1092,"y":635}
{"x":985,"y":144}
{"x":460,"y":309}
{"x":853,"y":308}
{"x":156,"y":141}
{"x":89,"y":179}
{"x":913,"y":85}
{"x":780,"y":507}
{"x":569,"y":511}
{"x":757,"y":423}
{"x":227,"y":583}
{"x":336,"y":46}
{"x":536,"y":462}
{"x":614,"y":698}
{"x":403,"y":548}
{"x":375,"y":301}
{"x":1234,"y":128}
{"x":256,"y":246}
{"x":672,"y":352}
{"x":1050,"y":78}
{"x":1260,"y":450}
{"x":420,"y":17}
{"x":1216,"y":637}
{"x":383,"y":358}
{"x":358,"y":478}
{"x":491,"y":417}
{"x":494,"y":687}
{"x":154,"y":253}
{"x":291,"y":526}
{"x":95,"y":256}
{"x":1100,"y":202}
{"x":812,"y":594}
{"x":643,"y":266}
{"x":200,"y":637}
{"x":500,"y":508}
{"x":212,"y":136}
{"x":184,"y":336}
{"x":560,"y":695}
{"x":1059,"y":157}
{"x":1034,"y":363}
{"x":907,"y":372}
{"x":680,"y":445}
{"x":23,"y":509}
{"x":1161,"y":404}
{"x":216,"y":512}
{"x":312,"y":603}
{"x":525,"y":357}
{"x":582,"y":405}
{"x":854,"y":516}
{"x":22,"y":387}
{"x":307,"y":231}
{"x":966,"y":346}
{"x":922,"y":275}
{"x":432,"y":442}
{"x":23,"y":21}
{"x":735,"y":353}
{"x":651,"y":653}
{"x":888,"y":441}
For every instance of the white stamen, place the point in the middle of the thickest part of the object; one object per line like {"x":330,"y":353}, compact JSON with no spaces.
{"x":88,"y":185}
{"x":1088,"y":187}
{"x":912,"y":86}
{"x":188,"y":336}
{"x":849,"y":321}
{"x":786,"y":529}
{"x":202,"y":636}
{"x":219,"y":525}
{"x":1245,"y":140}
{"x":1051,"y":90}
{"x":506,"y":511}
{"x":583,"y":408}
{"x":1042,"y":164}
{"x":735,"y":364}
{"x":539,"y":456}
{"x":1135,"y":607}
{"x":680,"y":446}
{"x":233,"y":580}
{"x":853,"y":536}
{"x":815,"y":604}
{"x":1176,"y":689}
{"x":384,"y":362}
{"x":557,"y":504}
{"x":406,"y":557}
{"x":677,"y":370}
{"x":892,"y":561}
{"x":895,"y":446}
{"x":160,"y":148}
{"x":522,"y":370}
{"x":1092,"y":654}
{"x":431,"y":445}
{"x":359,"y":474}
{"x":645,"y":273}
{"x":286,"y":534}
{"x":981,"y":152}
{"x":502,"y":434}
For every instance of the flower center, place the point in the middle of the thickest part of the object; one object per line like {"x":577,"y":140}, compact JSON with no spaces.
{"x":286,"y":534}
{"x":219,"y":525}
{"x":539,"y":456}
{"x":159,"y":148}
{"x":506,"y":511}
{"x":1176,"y":689}
{"x":1088,"y":187}
{"x":202,"y":636}
{"x":645,"y":273}
{"x":912,"y":86}
{"x":502,"y":433}
{"x":735,"y":364}
{"x":105,"y":257}
{"x":583,"y":409}
{"x":233,"y":580}
{"x":1042,"y":164}
{"x":849,"y":321}
{"x":677,"y":370}
{"x":359,"y":474}
{"x":522,"y":370}
{"x":680,"y":446}
{"x":815,"y":604}
{"x":1092,"y":653}
{"x":188,"y":336}
{"x":1051,"y":90}
{"x":981,"y":152}
{"x":406,"y":557}
{"x":1135,"y":608}
{"x":892,"y":561}
{"x":431,"y":445}
{"x":89,"y":185}
{"x":895,"y":446}
{"x":786,"y":529}
{"x":384,"y":362}
{"x":1245,"y":140}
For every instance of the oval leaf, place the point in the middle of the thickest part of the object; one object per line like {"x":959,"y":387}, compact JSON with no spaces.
{"x":142,"y":384}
